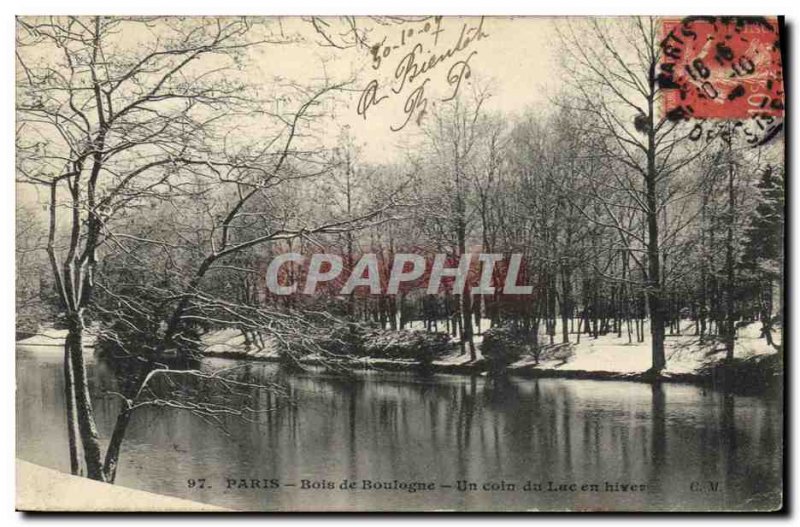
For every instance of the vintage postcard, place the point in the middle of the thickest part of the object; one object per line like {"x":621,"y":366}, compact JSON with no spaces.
{"x":400,"y":263}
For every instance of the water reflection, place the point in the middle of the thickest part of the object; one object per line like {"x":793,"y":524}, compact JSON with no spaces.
{"x":440,"y":428}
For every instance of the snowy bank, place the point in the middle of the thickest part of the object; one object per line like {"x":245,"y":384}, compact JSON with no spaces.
{"x":605,"y":357}
{"x":50,"y":340}
{"x":44,"y":489}
{"x":685,"y":353}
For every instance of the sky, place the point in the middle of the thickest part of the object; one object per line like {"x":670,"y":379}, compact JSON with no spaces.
{"x":513,"y":58}
{"x":418,"y":63}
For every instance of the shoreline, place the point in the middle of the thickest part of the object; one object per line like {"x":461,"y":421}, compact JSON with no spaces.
{"x":752,"y":371}
{"x":714,"y":376}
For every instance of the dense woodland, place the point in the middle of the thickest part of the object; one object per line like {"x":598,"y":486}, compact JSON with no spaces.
{"x":158,"y":206}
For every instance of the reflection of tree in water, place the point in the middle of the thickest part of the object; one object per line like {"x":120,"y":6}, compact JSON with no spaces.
{"x":352,"y":395}
{"x":465,"y":407}
{"x":487,"y":427}
{"x":658,"y":433}
{"x":759,"y":467}
{"x":449,"y":426}
{"x":220,"y":397}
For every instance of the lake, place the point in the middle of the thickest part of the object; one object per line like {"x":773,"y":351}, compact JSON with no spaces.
{"x":393,"y":441}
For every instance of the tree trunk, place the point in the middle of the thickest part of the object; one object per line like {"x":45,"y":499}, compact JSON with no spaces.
{"x":654,"y":291}
{"x":566,"y":303}
{"x":730,"y":322}
{"x":83,"y":401}
{"x":466,"y":298}
{"x":466,"y":315}
{"x":72,"y":418}
{"x":114,"y":445}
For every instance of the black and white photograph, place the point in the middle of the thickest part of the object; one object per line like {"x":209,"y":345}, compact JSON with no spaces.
{"x":400,"y":263}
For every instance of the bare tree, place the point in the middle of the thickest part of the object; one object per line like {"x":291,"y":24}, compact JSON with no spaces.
{"x":454,"y":134}
{"x":106,"y":128}
{"x":614,"y":72}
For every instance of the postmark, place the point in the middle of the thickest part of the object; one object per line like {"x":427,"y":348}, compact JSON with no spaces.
{"x":723,"y":71}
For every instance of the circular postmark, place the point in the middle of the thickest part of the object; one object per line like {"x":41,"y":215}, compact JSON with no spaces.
{"x":725,"y":74}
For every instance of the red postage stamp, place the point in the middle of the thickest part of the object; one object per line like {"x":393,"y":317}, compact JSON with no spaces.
{"x":722,"y":68}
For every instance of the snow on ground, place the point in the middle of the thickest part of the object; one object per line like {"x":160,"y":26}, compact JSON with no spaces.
{"x":684,"y":353}
{"x":232,"y":340}
{"x":45,"y":489}
{"x":477,"y":336}
{"x":49,"y":339}
{"x":455,"y":357}
{"x":607,"y":353}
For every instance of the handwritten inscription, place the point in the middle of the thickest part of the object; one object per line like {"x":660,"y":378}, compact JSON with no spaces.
{"x":423,"y":51}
